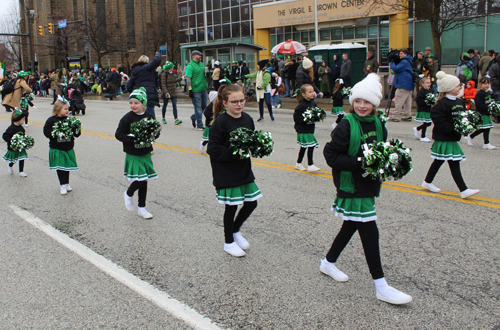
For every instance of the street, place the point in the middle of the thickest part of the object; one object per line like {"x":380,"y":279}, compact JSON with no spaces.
{"x":439,"y":248}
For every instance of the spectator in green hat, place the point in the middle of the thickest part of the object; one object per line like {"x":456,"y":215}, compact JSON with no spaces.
{"x":169,"y":91}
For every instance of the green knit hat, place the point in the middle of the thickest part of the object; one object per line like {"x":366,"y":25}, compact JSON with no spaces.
{"x":139,"y":94}
{"x":168,"y":66}
{"x":23,"y":74}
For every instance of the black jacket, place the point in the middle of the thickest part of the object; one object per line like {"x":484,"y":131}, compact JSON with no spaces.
{"x":64,"y":145}
{"x":336,"y":157}
{"x":338,"y":98}
{"x":336,"y":70}
{"x":228,"y":170}
{"x":292,"y":72}
{"x":302,"y":77}
{"x":144,"y":75}
{"x":420,"y":99}
{"x":442,"y":115}
{"x":482,"y":100}
{"x":114,"y":78}
{"x":209,"y":114}
{"x":10,"y":132}
{"x":300,"y":125}
{"x":123,"y":131}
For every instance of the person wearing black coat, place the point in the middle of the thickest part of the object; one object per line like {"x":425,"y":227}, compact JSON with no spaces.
{"x":482,"y":101}
{"x":335,"y":67}
{"x":302,"y":77}
{"x":292,"y":74}
{"x":144,"y":75}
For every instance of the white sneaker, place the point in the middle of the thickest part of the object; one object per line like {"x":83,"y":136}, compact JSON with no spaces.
{"x":489,"y":146}
{"x":469,"y":193}
{"x":63,"y":190}
{"x":300,"y":167}
{"x":312,"y":168}
{"x":469,"y":140}
{"x":431,"y":187}
{"x":425,"y":139}
{"x":393,"y":296}
{"x":129,"y":202}
{"x":241,"y":241}
{"x":23,"y":175}
{"x":415,"y":131}
{"x":143,"y":213}
{"x":25,"y":125}
{"x":202,"y":147}
{"x":11,"y":170}
{"x":329,"y":269}
{"x":68,"y":188}
{"x":234,"y":250}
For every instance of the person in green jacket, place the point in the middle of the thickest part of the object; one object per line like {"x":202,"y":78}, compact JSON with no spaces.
{"x":197,"y":88}
{"x":263,"y":82}
{"x":324,"y":75}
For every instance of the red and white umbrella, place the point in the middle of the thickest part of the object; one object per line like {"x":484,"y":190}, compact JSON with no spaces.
{"x":289,"y":47}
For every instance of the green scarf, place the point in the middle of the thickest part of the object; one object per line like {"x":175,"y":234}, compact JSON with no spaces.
{"x":346,"y":180}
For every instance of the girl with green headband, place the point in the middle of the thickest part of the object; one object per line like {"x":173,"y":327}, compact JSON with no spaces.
{"x":355,"y":201}
{"x":13,"y":156}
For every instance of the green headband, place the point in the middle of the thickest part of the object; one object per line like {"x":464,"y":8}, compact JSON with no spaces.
{"x":168,"y":65}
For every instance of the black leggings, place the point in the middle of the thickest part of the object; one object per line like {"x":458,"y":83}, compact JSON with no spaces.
{"x":455,"y":172}
{"x":21,"y":165}
{"x":339,"y":118}
{"x":232,"y":225}
{"x":486,"y":134}
{"x":302,"y":151}
{"x":63,"y":177}
{"x":423,"y":128}
{"x":142,"y":186}
{"x":368,"y":232}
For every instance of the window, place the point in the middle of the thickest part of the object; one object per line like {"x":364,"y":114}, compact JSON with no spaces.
{"x":360,"y":32}
{"x":217,"y":32}
{"x":324,"y":35}
{"x":236,"y":31}
{"x":384,"y":50}
{"x":225,"y":3}
{"x":235,"y":14}
{"x":226,"y":31}
{"x":384,"y":30}
{"x":226,"y":18}
{"x":372,"y":32}
{"x":199,"y":6}
{"x":372,"y":46}
{"x":216,"y":4}
{"x":209,"y":18}
{"x":312,"y":36}
{"x":245,"y":13}
{"x":337,"y":34}
{"x":304,"y":36}
{"x":217,"y":19}
{"x":245,"y":29}
{"x":348,"y":33}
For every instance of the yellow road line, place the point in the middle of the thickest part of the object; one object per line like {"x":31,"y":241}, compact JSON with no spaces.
{"x":476,"y":200}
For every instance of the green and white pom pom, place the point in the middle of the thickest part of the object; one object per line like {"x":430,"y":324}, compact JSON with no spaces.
{"x":62,"y":130}
{"x":145,"y":131}
{"x":314,"y":114}
{"x":245,"y":143}
{"x":494,"y":108}
{"x":263,"y":144}
{"x":76,"y":124}
{"x":346,"y":91}
{"x":386,"y":160}
{"x":467,"y":122}
{"x":381,"y":115}
{"x":20,"y":142}
{"x":430,"y":99}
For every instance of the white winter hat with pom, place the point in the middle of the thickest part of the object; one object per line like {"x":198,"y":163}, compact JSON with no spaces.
{"x":368,"y":89}
{"x":306,"y":63}
{"x":446,"y":82}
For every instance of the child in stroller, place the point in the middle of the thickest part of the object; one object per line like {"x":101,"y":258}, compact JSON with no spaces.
{"x":74,"y":96}
{"x":249,"y":89}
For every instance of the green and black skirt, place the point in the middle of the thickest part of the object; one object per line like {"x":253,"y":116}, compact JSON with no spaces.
{"x":487,"y":123}
{"x":238,"y":195}
{"x":15,"y":156}
{"x":139,"y":168}
{"x":204,"y":137}
{"x":423,"y":117}
{"x":62,"y":160}
{"x":338,"y":111}
{"x":361,"y":209}
{"x":306,"y":140}
{"x":447,"y":150}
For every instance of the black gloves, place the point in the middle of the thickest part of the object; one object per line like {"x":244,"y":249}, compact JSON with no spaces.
{"x":191,"y":93}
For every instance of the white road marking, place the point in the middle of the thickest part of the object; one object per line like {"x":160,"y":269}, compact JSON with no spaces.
{"x":161,"y":299}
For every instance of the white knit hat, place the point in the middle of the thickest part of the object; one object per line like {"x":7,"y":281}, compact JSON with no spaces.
{"x":446,"y":82}
{"x":307,"y":63}
{"x":212,"y":96}
{"x":368,"y":89}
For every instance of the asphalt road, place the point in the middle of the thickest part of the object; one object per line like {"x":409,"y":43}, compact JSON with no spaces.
{"x":438,"y":248}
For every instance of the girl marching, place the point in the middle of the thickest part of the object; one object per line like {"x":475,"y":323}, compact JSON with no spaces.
{"x":233,"y":176}
{"x":209,"y":116}
{"x":483,"y":98}
{"x":424,"y":110}
{"x":355,"y":201}
{"x":338,"y":101}
{"x":13,"y":156}
{"x":445,"y":146}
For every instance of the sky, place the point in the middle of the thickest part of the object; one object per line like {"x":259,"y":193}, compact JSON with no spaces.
{"x":7,"y":8}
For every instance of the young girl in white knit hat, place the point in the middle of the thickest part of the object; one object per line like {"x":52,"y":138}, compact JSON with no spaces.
{"x":445,"y":146}
{"x":355,"y":201}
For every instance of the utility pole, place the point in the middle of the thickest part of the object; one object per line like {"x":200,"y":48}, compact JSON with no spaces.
{"x":142,"y":22}
{"x":30,"y":39}
{"x":85,"y":22}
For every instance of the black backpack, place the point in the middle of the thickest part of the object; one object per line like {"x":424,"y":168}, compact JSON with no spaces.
{"x":414,"y":72}
{"x":8,"y":87}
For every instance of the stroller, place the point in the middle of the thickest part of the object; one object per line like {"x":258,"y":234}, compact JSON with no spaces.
{"x":250,"y":93}
{"x":75,"y":98}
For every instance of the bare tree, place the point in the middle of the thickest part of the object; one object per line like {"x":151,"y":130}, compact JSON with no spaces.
{"x":12,"y":43}
{"x":443,"y":15}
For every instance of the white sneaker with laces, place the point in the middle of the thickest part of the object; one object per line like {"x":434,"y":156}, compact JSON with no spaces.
{"x":129,"y":202}
{"x":393,"y":296}
{"x":329,"y":269}
{"x":23,"y":175}
{"x":241,"y":241}
{"x":469,"y":193}
{"x":143,"y":213}
{"x":431,"y":187}
{"x":63,"y":190}
{"x":300,"y":167}
{"x":234,"y":250}
{"x":415,"y":131}
{"x":469,"y":140}
{"x":489,"y":146}
{"x":312,"y":168}
{"x":11,"y":170}
{"x":68,"y":188}
{"x":202,"y":147}
{"x":425,"y":139}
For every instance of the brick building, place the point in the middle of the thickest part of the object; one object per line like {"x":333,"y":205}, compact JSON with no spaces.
{"x":115,"y":32}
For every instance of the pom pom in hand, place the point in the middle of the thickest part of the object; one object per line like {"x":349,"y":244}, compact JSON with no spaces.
{"x":385,"y":160}
{"x":467,"y":122}
{"x":430,"y":99}
{"x":313,"y":115}
{"x":346,"y":91}
{"x":76,"y":124}
{"x":62,"y":130}
{"x":21,"y":142}
{"x":245,"y":142}
{"x":494,"y":108}
{"x":381,"y":115}
{"x":145,"y":131}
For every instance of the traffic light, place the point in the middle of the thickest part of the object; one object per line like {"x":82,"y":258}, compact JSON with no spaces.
{"x":40,"y":30}
{"x":51,"y":28}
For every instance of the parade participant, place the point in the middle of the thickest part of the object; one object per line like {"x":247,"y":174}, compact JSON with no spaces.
{"x":305,"y":130}
{"x":61,"y":153}
{"x":423,"y":110}
{"x":233,"y":176}
{"x":338,"y":101}
{"x":12,"y":100}
{"x":445,"y":146}
{"x":138,"y":164}
{"x":263,"y":82}
{"x":209,"y":116}
{"x":169,"y":91}
{"x":355,"y":201}
{"x":14,"y":156}
{"x":483,"y":98}
{"x":197,"y":88}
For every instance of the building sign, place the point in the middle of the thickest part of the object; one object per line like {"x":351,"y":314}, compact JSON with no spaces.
{"x":278,"y":14}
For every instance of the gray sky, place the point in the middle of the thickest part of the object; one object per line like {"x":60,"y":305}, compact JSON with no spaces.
{"x":8,"y":6}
